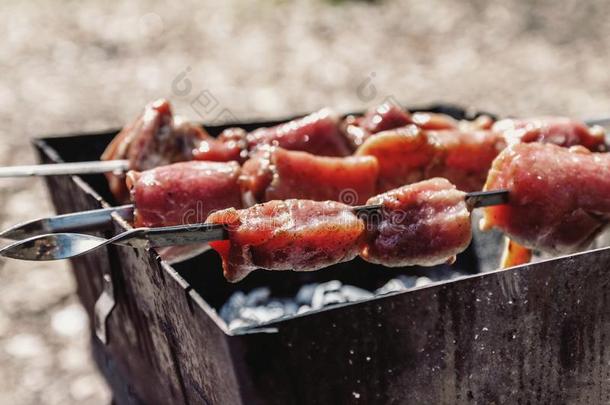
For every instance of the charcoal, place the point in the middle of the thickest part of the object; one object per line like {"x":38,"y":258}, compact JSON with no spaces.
{"x":303,"y":309}
{"x":393,"y":285}
{"x":275,"y":303}
{"x":259,"y":306}
{"x":317,"y":301}
{"x":333,"y":297}
{"x":290,"y":307}
{"x":352,"y":293}
{"x":239,"y":323}
{"x":421,"y":281}
{"x":408,"y":281}
{"x":305,"y":294}
{"x":257,"y":296}
{"x":261,"y":314}
{"x":333,"y":285}
{"x":230,"y":310}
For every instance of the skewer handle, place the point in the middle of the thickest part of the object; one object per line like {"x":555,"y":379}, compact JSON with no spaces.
{"x":78,"y":221}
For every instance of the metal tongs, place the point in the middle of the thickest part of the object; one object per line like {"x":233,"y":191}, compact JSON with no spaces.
{"x":65,"y":245}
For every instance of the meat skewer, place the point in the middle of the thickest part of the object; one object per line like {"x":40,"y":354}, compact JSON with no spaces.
{"x":409,"y":154}
{"x":462,"y":157}
{"x":277,"y":226}
{"x":385,"y":161}
{"x":186,"y":192}
{"x":395,"y":157}
{"x":558,"y":201}
{"x":157,"y":137}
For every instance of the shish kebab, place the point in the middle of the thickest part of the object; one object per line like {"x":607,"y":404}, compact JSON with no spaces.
{"x":462,"y":157}
{"x":425,"y":223}
{"x":405,"y":154}
{"x":443,"y":147}
{"x":555,"y":203}
{"x":389,"y":159}
{"x":274,"y":173}
{"x":550,"y":207}
{"x":156,"y":137}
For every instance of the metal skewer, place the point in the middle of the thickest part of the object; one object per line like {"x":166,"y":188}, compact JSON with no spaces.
{"x":95,"y":219}
{"x":57,"y":246}
{"x":78,"y":221}
{"x":56,"y":169}
{"x":107,"y":166}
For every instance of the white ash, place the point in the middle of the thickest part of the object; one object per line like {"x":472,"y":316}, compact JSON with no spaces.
{"x":245,"y":309}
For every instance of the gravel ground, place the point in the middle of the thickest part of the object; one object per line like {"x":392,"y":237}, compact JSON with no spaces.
{"x":89,"y":65}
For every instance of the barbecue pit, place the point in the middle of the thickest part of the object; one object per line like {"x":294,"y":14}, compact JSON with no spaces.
{"x":537,"y":332}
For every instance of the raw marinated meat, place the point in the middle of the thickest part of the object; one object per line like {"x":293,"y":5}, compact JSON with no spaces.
{"x":558,"y":197}
{"x":403,"y":155}
{"x":434,"y":121}
{"x":556,"y":130}
{"x":276,"y":174}
{"x":151,"y":141}
{"x":183,"y":193}
{"x":425,"y":224}
{"x":409,"y":154}
{"x":385,"y":116}
{"x":317,"y":133}
{"x":463,"y":157}
{"x":231,"y":145}
{"x":300,"y":235}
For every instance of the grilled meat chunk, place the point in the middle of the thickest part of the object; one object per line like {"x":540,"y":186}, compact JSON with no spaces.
{"x":153,"y":139}
{"x":556,"y":130}
{"x":434,"y":121}
{"x":384,"y":117}
{"x":183,"y":193}
{"x":403,"y":155}
{"x":558,"y":197}
{"x":231,"y":145}
{"x":514,"y":254}
{"x":410,"y":154}
{"x":463,"y":157}
{"x":425,"y":224}
{"x":276,"y":174}
{"x":300,"y":235}
{"x":317,"y":133}
{"x":378,"y":119}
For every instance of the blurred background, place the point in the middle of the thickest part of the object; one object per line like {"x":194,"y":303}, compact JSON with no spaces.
{"x":86,"y":65}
